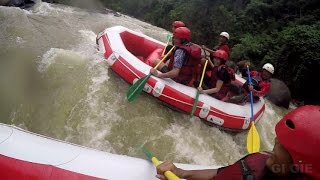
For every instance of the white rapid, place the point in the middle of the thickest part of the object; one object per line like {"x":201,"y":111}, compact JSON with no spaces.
{"x":54,"y":82}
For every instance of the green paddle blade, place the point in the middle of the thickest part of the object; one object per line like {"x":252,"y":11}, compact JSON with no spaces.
{"x":200,"y":85}
{"x":137,"y":88}
{"x":195,"y":103}
{"x":253,"y":140}
{"x":147,"y":153}
{"x":169,"y":38}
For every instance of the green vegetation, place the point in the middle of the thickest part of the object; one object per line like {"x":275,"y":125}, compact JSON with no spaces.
{"x":283,"y":32}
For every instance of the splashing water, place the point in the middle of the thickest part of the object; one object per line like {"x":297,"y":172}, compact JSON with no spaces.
{"x":56,"y":83}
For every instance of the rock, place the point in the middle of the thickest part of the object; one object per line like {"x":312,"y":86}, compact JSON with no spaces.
{"x":18,"y":3}
{"x":279,"y":93}
{"x":4,"y":2}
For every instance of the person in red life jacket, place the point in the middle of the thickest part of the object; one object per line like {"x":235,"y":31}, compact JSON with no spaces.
{"x":242,"y":65}
{"x":260,"y":85}
{"x":222,"y":44}
{"x":175,"y":25}
{"x":221,"y":76}
{"x":261,"y":80}
{"x":184,"y":60}
{"x":294,"y":156}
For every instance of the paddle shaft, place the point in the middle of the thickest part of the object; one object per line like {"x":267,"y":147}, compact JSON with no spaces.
{"x":137,"y":87}
{"x":200,"y":84}
{"x":168,"y":174}
{"x":165,"y":57}
{"x":203,"y":72}
{"x":168,"y":40}
{"x":251,"y":96}
{"x":253,"y":138}
{"x":207,"y":49}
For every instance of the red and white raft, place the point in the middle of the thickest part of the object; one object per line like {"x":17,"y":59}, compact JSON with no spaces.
{"x":25,"y":155}
{"x":129,"y":54}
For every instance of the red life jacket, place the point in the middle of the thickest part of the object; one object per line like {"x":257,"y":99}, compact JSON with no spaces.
{"x":214,"y":78}
{"x":260,"y":86}
{"x":188,"y":72}
{"x":255,"y":80}
{"x":224,"y":47}
{"x":250,"y":165}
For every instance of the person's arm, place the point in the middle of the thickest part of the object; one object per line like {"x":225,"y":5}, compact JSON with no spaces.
{"x":179,"y":57}
{"x":213,"y":90}
{"x":210,"y":63}
{"x":205,"y":174}
{"x":207,"y":49}
{"x":171,"y":74}
{"x":178,"y":60}
{"x":265,"y":87}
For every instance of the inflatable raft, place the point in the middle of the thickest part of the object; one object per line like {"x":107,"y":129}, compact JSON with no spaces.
{"x":25,"y":155}
{"x":130,"y":54}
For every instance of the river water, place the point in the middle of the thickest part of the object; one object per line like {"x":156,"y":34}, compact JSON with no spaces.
{"x":54,"y":82}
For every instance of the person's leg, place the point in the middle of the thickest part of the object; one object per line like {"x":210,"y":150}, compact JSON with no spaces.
{"x":235,"y":88}
{"x":155,"y":62}
{"x":241,"y":98}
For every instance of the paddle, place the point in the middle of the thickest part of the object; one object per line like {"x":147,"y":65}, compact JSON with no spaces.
{"x":253,"y":138}
{"x":169,"y":37}
{"x":137,"y":87}
{"x":197,"y":95}
{"x":168,"y":174}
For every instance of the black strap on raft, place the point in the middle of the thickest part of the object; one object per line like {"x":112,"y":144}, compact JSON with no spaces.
{"x":246,"y":172}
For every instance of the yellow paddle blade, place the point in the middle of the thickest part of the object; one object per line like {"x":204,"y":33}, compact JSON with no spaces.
{"x":253,"y":140}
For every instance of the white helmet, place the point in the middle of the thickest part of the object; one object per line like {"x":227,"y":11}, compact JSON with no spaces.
{"x":268,"y":67}
{"x":225,"y":34}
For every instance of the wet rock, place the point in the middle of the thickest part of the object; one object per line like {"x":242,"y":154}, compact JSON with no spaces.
{"x":18,"y":3}
{"x":279,"y":93}
{"x":4,"y":2}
